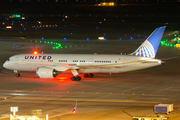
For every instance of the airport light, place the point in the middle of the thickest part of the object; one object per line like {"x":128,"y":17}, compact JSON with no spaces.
{"x":16,"y":16}
{"x":10,"y":16}
{"x":175,"y":35}
{"x":8,"y":27}
{"x":23,"y":18}
{"x":100,"y":38}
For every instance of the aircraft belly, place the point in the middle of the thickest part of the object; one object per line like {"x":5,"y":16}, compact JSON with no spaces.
{"x":101,"y":70}
{"x":139,"y":66}
{"x":125,"y":68}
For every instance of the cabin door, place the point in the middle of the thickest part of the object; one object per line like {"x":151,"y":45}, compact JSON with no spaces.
{"x":90,"y":61}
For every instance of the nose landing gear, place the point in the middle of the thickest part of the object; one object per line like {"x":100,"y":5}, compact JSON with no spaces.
{"x":17,"y":73}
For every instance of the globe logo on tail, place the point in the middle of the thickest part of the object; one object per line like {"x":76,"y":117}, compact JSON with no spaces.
{"x":150,"y":45}
{"x":145,"y":50}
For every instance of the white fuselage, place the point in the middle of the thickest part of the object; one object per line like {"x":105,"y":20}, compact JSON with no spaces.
{"x":93,"y":63}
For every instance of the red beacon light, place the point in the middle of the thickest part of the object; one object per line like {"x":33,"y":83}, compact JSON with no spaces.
{"x":35,"y":52}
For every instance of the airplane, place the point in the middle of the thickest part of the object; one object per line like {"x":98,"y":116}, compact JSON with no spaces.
{"x":51,"y":65}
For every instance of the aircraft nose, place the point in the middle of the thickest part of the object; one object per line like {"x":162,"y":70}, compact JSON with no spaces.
{"x":5,"y":64}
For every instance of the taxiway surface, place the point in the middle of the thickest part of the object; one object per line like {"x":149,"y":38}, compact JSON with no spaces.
{"x":104,"y":97}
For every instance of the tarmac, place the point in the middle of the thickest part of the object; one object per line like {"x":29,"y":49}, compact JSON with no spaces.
{"x":104,"y":97}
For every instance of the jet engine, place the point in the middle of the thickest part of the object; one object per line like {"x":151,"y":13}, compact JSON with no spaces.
{"x":45,"y":72}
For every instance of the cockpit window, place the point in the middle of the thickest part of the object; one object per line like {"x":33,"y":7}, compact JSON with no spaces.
{"x":8,"y":60}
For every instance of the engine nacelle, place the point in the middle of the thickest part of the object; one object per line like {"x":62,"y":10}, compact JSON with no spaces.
{"x":45,"y":72}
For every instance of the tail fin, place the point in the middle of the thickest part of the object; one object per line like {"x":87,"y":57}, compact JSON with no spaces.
{"x":150,"y":46}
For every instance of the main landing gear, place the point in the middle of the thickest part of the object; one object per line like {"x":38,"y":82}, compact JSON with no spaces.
{"x":90,"y":75}
{"x":17,"y":73}
{"x":76,"y":78}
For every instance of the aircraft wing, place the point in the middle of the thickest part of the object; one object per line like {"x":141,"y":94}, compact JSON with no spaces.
{"x":63,"y":67}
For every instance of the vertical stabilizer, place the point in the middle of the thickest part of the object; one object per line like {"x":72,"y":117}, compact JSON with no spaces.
{"x":150,"y":45}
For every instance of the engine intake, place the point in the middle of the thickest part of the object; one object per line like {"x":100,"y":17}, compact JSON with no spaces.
{"x":45,"y":72}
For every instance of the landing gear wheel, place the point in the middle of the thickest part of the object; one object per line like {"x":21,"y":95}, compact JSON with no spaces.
{"x":78,"y":78}
{"x":73,"y":78}
{"x":91,"y":75}
{"x":86,"y":75}
{"x":17,"y":75}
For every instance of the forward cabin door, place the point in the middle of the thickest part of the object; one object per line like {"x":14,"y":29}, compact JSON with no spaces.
{"x":16,"y":60}
{"x":90,"y":61}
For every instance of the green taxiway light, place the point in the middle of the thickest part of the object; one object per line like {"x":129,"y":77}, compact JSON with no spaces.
{"x":44,"y":41}
{"x":40,"y":41}
{"x":48,"y":42}
{"x":16,"y":15}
